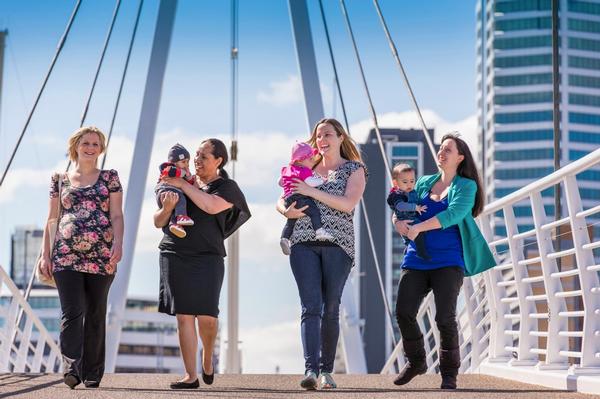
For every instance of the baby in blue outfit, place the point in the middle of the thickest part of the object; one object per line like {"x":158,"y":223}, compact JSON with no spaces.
{"x":402,"y":199}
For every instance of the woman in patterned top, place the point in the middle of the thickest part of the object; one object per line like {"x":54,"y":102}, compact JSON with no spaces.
{"x":87,"y":248}
{"x":322,"y":267}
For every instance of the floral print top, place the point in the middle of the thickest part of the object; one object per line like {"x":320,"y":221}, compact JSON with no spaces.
{"x":84,"y":235}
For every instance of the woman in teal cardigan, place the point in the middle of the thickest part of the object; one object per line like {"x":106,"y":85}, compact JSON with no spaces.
{"x":456,"y":248}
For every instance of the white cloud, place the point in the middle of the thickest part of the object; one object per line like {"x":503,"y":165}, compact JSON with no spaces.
{"x":283,"y":92}
{"x":466,"y":127}
{"x":286,"y":92}
{"x":261,"y":156}
{"x":31,"y":179}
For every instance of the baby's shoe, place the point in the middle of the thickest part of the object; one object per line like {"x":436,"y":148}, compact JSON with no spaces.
{"x":184,"y":220}
{"x":323,"y":235}
{"x":177,"y":230}
{"x":285,"y":246}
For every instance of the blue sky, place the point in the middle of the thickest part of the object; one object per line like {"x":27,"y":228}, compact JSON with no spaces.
{"x":436,"y":41}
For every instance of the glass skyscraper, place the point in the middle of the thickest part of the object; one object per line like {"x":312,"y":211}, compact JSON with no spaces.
{"x":514,"y":96}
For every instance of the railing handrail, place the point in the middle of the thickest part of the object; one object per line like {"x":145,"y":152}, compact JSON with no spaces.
{"x":545,"y":182}
{"x":524,"y":313}
{"x":32,"y":318}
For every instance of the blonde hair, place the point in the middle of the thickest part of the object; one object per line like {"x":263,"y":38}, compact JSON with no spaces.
{"x":348,"y":149}
{"x":76,"y":138}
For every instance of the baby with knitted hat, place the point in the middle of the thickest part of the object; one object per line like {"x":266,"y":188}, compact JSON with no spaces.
{"x":178,"y":165}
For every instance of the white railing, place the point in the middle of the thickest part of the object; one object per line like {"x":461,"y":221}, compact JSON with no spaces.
{"x":535,"y":316}
{"x":26,"y":347}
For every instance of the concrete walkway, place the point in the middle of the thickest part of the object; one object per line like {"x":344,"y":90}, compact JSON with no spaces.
{"x":150,"y":386}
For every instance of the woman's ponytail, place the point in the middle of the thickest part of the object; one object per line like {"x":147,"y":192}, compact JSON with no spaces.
{"x":219,"y":151}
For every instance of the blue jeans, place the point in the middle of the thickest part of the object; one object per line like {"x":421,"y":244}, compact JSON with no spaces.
{"x":320,"y":272}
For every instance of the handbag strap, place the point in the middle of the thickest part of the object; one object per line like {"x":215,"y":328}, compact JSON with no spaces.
{"x":59,"y":207}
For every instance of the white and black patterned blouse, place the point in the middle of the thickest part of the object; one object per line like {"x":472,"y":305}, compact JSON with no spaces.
{"x":339,"y":224}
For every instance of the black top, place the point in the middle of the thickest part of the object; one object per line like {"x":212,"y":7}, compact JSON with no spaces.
{"x":208,"y":233}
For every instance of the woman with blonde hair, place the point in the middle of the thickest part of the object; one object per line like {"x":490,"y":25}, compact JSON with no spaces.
{"x":87,"y":248}
{"x":321,"y":268}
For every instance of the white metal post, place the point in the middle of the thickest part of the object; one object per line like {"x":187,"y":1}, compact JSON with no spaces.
{"x":554,"y":341}
{"x":138,"y":174}
{"x":233,"y":362}
{"x":469,"y":290}
{"x":498,"y":310}
{"x":526,"y":304}
{"x":588,"y":279}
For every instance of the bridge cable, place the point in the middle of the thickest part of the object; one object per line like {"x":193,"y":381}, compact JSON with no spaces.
{"x":367,"y":91}
{"x":59,"y":48}
{"x":116,"y":108}
{"x":362,"y":201}
{"x":98,"y":67}
{"x":405,"y":79}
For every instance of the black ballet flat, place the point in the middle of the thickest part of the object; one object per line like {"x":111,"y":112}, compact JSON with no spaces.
{"x":91,"y":384}
{"x":185,"y":385}
{"x":71,"y":380}
{"x":208,"y":378}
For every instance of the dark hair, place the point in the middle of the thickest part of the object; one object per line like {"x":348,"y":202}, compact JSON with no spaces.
{"x":468,"y":169}
{"x":401,"y":168}
{"x":219,"y":150}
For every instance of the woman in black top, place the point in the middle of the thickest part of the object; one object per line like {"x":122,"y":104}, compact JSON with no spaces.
{"x":191,"y":268}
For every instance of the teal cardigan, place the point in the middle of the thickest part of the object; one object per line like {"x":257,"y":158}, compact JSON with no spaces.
{"x":461,"y":198}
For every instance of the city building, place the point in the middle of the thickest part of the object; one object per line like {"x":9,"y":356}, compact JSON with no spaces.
{"x":514,"y":97}
{"x":406,"y":146}
{"x":25,"y":244}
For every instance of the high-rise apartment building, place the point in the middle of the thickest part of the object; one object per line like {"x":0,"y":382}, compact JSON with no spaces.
{"x":26,"y":242}
{"x":514,"y":100}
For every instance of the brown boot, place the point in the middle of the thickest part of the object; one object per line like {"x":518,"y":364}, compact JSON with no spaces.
{"x":449,"y":365}
{"x":414,"y":351}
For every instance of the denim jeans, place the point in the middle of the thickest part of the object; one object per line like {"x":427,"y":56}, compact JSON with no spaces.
{"x":320,"y":272}
{"x":414,"y":286}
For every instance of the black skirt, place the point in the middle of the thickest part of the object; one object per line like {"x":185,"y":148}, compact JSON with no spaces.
{"x":190,"y":284}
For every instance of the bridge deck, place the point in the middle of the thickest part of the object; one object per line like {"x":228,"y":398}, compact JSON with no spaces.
{"x":150,"y":386}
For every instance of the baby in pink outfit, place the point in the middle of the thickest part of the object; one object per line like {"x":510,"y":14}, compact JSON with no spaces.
{"x":300,"y":167}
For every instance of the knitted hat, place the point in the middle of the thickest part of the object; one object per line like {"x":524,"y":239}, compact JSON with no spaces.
{"x":178,"y":153}
{"x":302,"y":151}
